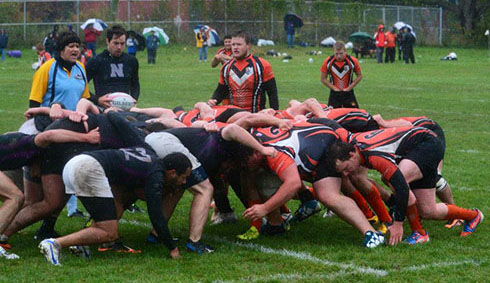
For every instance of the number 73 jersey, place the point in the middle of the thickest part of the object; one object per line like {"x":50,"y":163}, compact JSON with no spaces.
{"x":305,"y":145}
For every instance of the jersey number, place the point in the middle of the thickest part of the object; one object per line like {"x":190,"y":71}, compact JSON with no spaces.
{"x":137,"y":153}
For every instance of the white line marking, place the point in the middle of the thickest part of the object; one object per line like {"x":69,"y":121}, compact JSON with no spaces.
{"x":135,"y":223}
{"x":306,"y":257}
{"x":285,"y":277}
{"x":469,"y":150}
{"x":441,"y":264}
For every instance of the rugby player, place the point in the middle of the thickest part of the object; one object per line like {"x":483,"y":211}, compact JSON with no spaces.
{"x":246,"y":78}
{"x":341,"y":68}
{"x":302,"y":155}
{"x":90,"y":175}
{"x":17,"y":150}
{"x":407,"y":158}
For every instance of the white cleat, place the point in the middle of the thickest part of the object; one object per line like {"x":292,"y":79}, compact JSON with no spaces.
{"x":5,"y":254}
{"x":51,"y":251}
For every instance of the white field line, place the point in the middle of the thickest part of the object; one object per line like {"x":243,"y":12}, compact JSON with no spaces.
{"x":442,"y":264}
{"x":306,"y":257}
{"x":287,"y":277}
{"x":352,"y":268}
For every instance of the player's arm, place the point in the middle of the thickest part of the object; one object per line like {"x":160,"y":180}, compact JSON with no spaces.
{"x":135,"y":81}
{"x":391,"y":123}
{"x":263,"y":120}
{"x":291,"y":183}
{"x":356,"y":80}
{"x":205,"y":111}
{"x":271,"y":88}
{"x":44,"y":139}
{"x":153,"y":194}
{"x":219,"y":94}
{"x":216,"y":60}
{"x":235,"y":133}
{"x":155,"y":112}
{"x":326,"y":81}
{"x":86,"y":106}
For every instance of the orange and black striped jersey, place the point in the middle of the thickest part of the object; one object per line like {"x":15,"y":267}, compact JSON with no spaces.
{"x":221,"y":114}
{"x":341,"y":72}
{"x":383,"y":149}
{"x":245,"y":79}
{"x":305,"y":145}
{"x":224,"y":51}
{"x":423,"y":121}
{"x":354,"y":120}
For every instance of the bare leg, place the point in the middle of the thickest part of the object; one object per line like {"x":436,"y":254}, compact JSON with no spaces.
{"x":427,"y":206}
{"x":54,"y":200}
{"x":99,"y":232}
{"x":328,"y":192}
{"x":203,"y":193}
{"x":12,"y":198}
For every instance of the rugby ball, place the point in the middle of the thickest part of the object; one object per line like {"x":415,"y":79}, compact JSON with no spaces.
{"x":121,"y":100}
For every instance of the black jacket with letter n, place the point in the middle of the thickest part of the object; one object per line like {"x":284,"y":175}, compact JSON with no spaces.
{"x":113,"y":74}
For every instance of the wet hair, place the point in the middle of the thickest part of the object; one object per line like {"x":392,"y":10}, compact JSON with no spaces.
{"x":243,"y":34}
{"x":116,"y":30}
{"x":177,"y":161}
{"x":339,"y":45}
{"x":65,"y":39}
{"x":228,"y":36}
{"x":339,"y":151}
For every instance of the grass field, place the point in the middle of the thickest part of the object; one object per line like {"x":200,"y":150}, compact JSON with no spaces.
{"x":455,"y":94}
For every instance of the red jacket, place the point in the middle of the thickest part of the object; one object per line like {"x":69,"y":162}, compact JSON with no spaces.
{"x":380,"y":37}
{"x":91,"y":34}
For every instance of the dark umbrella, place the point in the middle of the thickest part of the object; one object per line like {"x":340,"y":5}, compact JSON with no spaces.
{"x":295,"y":20}
{"x":140,"y":38}
{"x":360,"y":36}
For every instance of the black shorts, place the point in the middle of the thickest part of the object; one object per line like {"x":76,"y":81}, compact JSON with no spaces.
{"x":342,"y":99}
{"x":427,"y":156}
{"x":227,"y":114}
{"x":99,"y":208}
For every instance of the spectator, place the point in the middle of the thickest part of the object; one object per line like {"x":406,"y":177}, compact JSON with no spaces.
{"x":408,"y":40}
{"x":202,"y":44}
{"x":69,"y":77}
{"x":85,"y":54}
{"x":399,"y":44}
{"x":132,"y":45}
{"x":224,"y":54}
{"x":380,"y":39}
{"x":290,"y":31}
{"x":390,"y":46}
{"x":42,"y":55}
{"x":91,"y":38}
{"x":4,"y":39}
{"x":341,"y":68}
{"x":113,"y":70}
{"x":50,"y":41}
{"x":152,"y":42}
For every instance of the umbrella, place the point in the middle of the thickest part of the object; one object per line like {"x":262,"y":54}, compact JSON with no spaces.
{"x":399,"y":25}
{"x":410,"y":28}
{"x":158,"y":32}
{"x":97,"y":24}
{"x":360,"y":36}
{"x":213,"y":37}
{"x":292,"y":18}
{"x":139,"y":38}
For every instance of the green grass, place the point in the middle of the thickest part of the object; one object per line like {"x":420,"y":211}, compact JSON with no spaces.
{"x":455,"y":94}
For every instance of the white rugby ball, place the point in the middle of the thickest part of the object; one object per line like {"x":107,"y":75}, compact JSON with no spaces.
{"x":121,"y":100}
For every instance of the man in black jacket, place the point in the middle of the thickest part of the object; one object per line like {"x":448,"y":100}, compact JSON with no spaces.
{"x":113,"y":70}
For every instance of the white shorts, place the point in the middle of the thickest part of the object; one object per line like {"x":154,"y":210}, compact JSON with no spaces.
{"x":164,"y":144}
{"x":29,"y":127}
{"x":84,"y":176}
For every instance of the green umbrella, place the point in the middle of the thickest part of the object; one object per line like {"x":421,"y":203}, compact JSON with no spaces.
{"x":360,"y":36}
{"x":158,"y":32}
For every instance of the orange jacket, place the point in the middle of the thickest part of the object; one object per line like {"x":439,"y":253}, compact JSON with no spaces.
{"x":380,"y":37}
{"x":390,"y":40}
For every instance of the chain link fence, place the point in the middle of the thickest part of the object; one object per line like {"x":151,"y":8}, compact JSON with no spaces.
{"x":29,"y":21}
